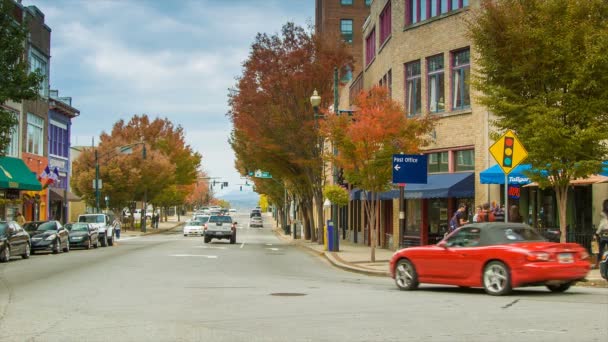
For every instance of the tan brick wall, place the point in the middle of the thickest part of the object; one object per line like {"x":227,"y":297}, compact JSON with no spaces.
{"x":440,"y":35}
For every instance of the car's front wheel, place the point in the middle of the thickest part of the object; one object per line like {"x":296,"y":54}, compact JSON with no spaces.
{"x":406,"y":276}
{"x":497,"y":279}
{"x":88,"y":245}
{"x":104,"y":241}
{"x":26,"y":253}
{"x":57,"y":247}
{"x":111,"y":241}
{"x":67,"y":246}
{"x":6,"y":254}
{"x":559,"y":287}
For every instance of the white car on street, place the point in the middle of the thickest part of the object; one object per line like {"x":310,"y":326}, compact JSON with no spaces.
{"x":194,"y":228}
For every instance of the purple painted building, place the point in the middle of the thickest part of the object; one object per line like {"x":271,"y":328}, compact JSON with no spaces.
{"x":61,"y":114}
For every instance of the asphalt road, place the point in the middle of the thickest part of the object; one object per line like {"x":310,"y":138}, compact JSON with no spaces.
{"x":168,"y":287}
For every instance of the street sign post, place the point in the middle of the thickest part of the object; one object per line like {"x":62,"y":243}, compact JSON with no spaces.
{"x":410,"y":168}
{"x":262,"y":174}
{"x":508,"y":152}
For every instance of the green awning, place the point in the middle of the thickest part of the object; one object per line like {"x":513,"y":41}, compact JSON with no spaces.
{"x":14,"y":174}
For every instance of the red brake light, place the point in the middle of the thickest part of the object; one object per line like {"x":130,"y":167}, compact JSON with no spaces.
{"x":538,"y":256}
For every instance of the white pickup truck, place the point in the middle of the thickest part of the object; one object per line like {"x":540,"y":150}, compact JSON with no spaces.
{"x":104,"y":225}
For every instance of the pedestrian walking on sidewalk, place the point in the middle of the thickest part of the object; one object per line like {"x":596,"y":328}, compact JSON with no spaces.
{"x":458,"y":219}
{"x":117,"y":227}
{"x":602,"y":232}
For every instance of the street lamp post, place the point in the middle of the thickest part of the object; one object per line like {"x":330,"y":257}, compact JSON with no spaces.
{"x":96,"y":182}
{"x":315,"y":101}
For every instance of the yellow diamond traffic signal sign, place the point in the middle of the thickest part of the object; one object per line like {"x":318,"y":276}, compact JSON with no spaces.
{"x":508,"y":152}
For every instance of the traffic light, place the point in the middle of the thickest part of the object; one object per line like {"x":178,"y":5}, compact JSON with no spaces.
{"x":507,"y":159}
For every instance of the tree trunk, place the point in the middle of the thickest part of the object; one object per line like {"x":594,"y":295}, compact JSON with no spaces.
{"x":561,"y":192}
{"x":318,"y":199}
{"x":308,"y":223}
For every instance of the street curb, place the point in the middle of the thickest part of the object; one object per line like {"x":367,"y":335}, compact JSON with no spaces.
{"x":333,"y":260}
{"x":156,"y":231}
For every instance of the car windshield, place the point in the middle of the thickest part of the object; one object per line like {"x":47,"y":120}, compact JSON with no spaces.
{"x":47,"y":226}
{"x":194,"y":223}
{"x":91,"y":219}
{"x":3,"y":226}
{"x":78,"y":227}
{"x":222,"y":219}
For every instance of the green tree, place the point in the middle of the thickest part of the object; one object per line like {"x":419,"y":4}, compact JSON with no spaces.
{"x":542,"y":67}
{"x":16,"y":82}
{"x":367,"y":141}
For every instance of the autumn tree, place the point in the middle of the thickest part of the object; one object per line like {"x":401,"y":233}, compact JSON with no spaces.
{"x":543,"y":72}
{"x":16,"y":81}
{"x":166,"y":173}
{"x":366,"y":142}
{"x":273,"y":123}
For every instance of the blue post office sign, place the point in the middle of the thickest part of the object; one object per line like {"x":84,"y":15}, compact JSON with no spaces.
{"x":410,"y":169}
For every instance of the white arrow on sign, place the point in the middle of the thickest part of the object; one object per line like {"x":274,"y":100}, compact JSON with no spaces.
{"x":397,"y":167}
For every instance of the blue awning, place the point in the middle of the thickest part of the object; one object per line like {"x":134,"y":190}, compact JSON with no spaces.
{"x":495,"y":175}
{"x":443,"y":185}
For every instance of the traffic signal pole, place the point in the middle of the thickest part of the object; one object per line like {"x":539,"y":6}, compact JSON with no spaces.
{"x":506,"y":197}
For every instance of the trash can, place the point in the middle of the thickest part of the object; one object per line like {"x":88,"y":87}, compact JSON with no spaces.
{"x":329,"y":235}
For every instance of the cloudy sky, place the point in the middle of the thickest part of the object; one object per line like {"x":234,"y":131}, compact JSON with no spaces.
{"x":166,"y":58}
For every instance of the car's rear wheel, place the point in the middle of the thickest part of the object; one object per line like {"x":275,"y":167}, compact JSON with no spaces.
{"x":111,"y":241}
{"x":104,"y":241}
{"x":6,"y":254}
{"x":67,"y":246}
{"x":26,"y":253}
{"x":406,"y":277}
{"x":88,"y":245}
{"x":207,"y":239}
{"x":497,"y":279}
{"x":559,"y":287}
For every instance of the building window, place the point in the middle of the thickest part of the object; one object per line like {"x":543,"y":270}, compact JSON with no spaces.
{"x":346,"y":29}
{"x":420,"y":10}
{"x":58,"y":140}
{"x":347,"y":74}
{"x":438,"y":162}
{"x":385,"y":23}
{"x":346,"y":2}
{"x":12,"y":150}
{"x":461,"y":72}
{"x":39,"y":63}
{"x":387,"y":81}
{"x":35,"y":134}
{"x":370,"y":47}
{"x":412,"y":88}
{"x":435,"y":81}
{"x":465,"y":160}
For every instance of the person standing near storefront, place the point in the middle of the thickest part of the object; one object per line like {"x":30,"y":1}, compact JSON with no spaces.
{"x":602,"y":231}
{"x":458,"y":219}
{"x":20,"y":219}
{"x":499,"y":213}
{"x":478,"y":217}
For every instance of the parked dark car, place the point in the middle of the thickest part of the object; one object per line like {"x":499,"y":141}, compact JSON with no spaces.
{"x":83,"y":235}
{"x":50,"y":236}
{"x":13,"y":241}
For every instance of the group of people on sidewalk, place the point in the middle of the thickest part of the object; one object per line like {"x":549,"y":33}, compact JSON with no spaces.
{"x":484,"y":213}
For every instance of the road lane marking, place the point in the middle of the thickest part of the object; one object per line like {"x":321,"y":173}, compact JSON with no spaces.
{"x":194,"y":255}
{"x":243,"y":244}
{"x":268,"y":244}
{"x":273,"y":249}
{"x":209,"y":247}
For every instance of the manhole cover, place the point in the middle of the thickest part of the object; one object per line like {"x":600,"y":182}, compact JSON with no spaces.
{"x":287,"y":294}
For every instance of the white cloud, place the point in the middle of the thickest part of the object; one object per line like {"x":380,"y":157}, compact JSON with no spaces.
{"x":163,"y":58}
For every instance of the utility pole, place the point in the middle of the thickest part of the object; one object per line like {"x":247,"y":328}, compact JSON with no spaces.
{"x":334,"y":207}
{"x":96,"y":182}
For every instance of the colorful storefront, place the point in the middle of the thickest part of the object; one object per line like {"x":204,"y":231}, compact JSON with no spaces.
{"x":15,"y":178}
{"x":35,"y":201}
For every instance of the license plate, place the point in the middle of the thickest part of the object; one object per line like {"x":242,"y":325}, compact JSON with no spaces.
{"x":565,"y":258}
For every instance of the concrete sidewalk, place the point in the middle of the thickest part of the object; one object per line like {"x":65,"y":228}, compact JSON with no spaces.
{"x":162,"y":227}
{"x":356,"y":258}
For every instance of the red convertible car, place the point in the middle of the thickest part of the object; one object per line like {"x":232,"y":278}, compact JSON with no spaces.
{"x":496,"y":256}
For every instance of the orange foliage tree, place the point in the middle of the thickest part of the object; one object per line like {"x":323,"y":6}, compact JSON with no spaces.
{"x":273,"y":122}
{"x":366,"y":142}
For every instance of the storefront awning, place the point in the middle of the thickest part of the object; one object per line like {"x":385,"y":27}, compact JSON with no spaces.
{"x":495,"y":175}
{"x":14,"y":174}
{"x":58,"y":193}
{"x":444,"y":185}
